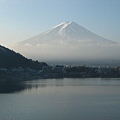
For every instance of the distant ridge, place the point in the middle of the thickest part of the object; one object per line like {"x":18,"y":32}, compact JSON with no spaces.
{"x":70,"y":43}
{"x":67,"y":33}
{"x":10,"y":59}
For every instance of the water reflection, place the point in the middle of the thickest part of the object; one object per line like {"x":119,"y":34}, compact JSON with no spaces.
{"x":15,"y":87}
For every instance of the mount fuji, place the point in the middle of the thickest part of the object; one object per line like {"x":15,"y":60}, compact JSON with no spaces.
{"x":67,"y":33}
{"x":70,"y":43}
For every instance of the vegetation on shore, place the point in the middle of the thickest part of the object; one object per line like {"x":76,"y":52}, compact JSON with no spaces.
{"x":15,"y":67}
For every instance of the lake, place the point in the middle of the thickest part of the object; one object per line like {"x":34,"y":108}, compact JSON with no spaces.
{"x":61,"y":99}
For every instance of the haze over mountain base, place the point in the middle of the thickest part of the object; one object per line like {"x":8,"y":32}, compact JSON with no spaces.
{"x":74,"y":54}
{"x":70,"y":43}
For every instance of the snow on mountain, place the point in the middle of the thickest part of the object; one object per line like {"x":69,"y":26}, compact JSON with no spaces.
{"x":69,"y":42}
{"x":67,"y":33}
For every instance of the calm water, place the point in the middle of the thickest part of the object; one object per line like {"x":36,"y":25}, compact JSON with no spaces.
{"x":61,"y":99}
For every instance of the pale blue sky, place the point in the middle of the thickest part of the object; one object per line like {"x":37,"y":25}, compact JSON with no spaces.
{"x":22,"y":19}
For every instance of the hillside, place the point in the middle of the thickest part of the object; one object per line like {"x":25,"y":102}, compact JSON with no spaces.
{"x":70,"y":43}
{"x":67,"y":33}
{"x":11,"y":59}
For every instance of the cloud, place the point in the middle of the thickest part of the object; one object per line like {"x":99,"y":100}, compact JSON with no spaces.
{"x":65,"y":52}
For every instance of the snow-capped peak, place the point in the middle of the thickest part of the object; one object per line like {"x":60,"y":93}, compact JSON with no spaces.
{"x":65,"y":24}
{"x":67,"y":32}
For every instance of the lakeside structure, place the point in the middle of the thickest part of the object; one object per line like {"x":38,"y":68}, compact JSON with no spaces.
{"x":20,"y":68}
{"x":58,"y":71}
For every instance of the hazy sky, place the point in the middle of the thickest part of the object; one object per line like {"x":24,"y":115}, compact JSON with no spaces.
{"x":22,"y":19}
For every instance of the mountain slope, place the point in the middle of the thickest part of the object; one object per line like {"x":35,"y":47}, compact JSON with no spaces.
{"x":71,"y":43}
{"x":66,"y":33}
{"x":11,"y":59}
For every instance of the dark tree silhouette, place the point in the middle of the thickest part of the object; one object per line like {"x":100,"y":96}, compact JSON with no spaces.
{"x":11,"y":59}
